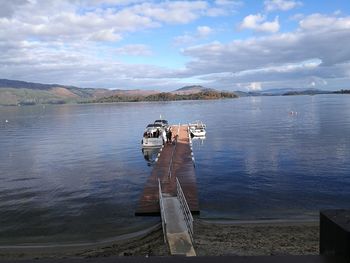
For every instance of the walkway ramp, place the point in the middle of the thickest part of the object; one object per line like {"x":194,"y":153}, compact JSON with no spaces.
{"x":177,"y":221}
{"x":177,"y":235}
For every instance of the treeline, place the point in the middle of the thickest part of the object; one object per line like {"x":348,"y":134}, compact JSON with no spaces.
{"x":167,"y":96}
{"x":343,"y":91}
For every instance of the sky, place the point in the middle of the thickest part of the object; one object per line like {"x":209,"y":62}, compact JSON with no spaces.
{"x":164,"y":45}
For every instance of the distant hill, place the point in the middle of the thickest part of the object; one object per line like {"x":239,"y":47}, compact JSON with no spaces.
{"x":275,"y":92}
{"x":282,"y":92}
{"x":291,"y":91}
{"x":15,"y":92}
{"x":194,"y":92}
{"x":343,"y":91}
{"x":6,"y":83}
{"x":306,"y":92}
{"x":134,"y":92}
{"x":191,"y":90}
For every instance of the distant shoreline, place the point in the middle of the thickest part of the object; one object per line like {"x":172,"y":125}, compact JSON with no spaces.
{"x":14,"y":93}
{"x":143,"y":101}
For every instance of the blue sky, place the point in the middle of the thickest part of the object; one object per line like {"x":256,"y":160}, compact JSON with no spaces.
{"x":164,"y":45}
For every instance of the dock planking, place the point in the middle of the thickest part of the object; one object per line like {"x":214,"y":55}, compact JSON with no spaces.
{"x":182,"y":168}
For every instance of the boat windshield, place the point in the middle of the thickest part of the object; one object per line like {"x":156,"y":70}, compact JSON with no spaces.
{"x":164,"y":122}
{"x":155,"y":125}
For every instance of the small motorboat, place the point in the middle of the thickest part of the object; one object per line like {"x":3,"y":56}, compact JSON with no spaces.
{"x":197,"y":129}
{"x":153,"y":136}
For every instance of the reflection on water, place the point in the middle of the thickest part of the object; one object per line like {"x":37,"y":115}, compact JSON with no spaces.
{"x":199,"y":139}
{"x":150,"y":154}
{"x":75,"y":172}
{"x":263,"y":162}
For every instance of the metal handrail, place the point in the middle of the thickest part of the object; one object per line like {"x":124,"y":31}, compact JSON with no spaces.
{"x":172,"y":154}
{"x":162,"y":212}
{"x":185,"y":208}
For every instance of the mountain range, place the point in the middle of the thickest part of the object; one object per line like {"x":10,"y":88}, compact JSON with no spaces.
{"x":15,"y":92}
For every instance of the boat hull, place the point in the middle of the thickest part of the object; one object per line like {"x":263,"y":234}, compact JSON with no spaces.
{"x":197,"y":133}
{"x":152,"y":142}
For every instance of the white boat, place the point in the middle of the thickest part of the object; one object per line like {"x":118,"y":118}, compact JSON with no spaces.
{"x":153,"y":136}
{"x":197,"y":129}
{"x":164,"y":123}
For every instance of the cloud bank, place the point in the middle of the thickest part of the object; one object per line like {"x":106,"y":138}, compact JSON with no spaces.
{"x":85,"y":43}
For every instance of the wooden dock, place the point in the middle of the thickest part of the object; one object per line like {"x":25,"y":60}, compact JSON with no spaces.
{"x":175,"y":161}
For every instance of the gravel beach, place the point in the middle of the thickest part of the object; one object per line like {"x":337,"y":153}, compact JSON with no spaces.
{"x":211,"y":238}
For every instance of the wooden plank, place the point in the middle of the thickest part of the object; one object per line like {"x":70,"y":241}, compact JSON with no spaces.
{"x":182,"y":168}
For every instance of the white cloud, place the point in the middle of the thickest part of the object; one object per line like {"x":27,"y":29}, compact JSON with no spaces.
{"x":91,"y":20}
{"x":224,"y":7}
{"x":68,"y":25}
{"x":70,"y":41}
{"x":112,"y":2}
{"x":329,"y":46}
{"x":282,"y":59}
{"x":173,"y":12}
{"x":204,"y":31}
{"x":283,"y":5}
{"x":254,"y":86}
{"x":105,"y":35}
{"x":56,"y":63}
{"x":323,"y":22}
{"x":284,"y":68}
{"x":9,"y":7}
{"x":258,"y":23}
{"x":134,"y":50}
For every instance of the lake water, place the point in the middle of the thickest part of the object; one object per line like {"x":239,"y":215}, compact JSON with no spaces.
{"x":74,"y":173}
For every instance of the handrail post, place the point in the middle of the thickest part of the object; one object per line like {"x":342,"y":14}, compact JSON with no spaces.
{"x":172,"y":157}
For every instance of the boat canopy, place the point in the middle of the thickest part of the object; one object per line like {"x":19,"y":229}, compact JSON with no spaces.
{"x":163,"y":122}
{"x":197,"y":124}
{"x":154,"y":125}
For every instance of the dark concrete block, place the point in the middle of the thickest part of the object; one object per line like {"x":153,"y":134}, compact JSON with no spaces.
{"x":335,"y":233}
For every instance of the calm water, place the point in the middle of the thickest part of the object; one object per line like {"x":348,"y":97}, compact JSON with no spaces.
{"x":73,"y":173}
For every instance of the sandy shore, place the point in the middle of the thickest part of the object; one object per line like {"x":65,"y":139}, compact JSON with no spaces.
{"x":211,"y":238}
{"x":297,"y":238}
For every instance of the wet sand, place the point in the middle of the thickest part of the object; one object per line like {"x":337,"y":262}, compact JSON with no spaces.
{"x":211,"y":238}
